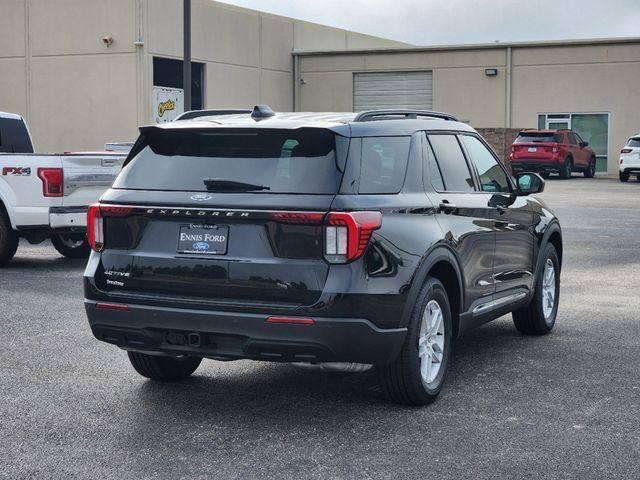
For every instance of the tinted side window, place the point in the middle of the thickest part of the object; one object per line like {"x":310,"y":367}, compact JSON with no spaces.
{"x":384,"y":164}
{"x":454,"y":168}
{"x":430,"y":170}
{"x":14,"y":137}
{"x":559,"y":137}
{"x":492,"y":177}
{"x":572,"y":139}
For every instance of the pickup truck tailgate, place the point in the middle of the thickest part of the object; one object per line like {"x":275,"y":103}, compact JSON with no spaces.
{"x":88,"y":175}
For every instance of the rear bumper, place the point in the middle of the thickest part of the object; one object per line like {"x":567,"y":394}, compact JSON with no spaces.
{"x":232,"y":335}
{"x":629,"y":167}
{"x":534,"y":165}
{"x":52,"y":218}
{"x":68,"y":217}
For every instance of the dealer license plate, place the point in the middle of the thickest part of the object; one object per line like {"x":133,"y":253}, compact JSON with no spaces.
{"x":200,"y":239}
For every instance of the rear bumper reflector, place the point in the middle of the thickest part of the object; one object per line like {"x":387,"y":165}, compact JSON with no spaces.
{"x":292,"y":320}
{"x":112,"y":306}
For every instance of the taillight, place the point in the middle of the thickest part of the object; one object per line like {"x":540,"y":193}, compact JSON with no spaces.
{"x":310,"y":218}
{"x":95,"y":228}
{"x":115,"y":211}
{"x":626,"y":150}
{"x":554,"y":149}
{"x":95,"y":222}
{"x":513,"y":149}
{"x":347,"y":234}
{"x":52,"y":181}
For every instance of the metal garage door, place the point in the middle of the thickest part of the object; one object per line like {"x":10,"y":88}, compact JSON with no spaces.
{"x":372,"y":91}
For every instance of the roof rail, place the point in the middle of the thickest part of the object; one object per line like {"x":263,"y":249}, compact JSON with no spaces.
{"x":209,"y":113}
{"x":405,"y":113}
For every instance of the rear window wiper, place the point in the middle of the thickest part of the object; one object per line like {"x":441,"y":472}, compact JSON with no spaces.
{"x":220,"y":185}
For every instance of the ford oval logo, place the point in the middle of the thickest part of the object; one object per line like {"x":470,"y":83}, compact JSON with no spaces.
{"x":201,"y":197}
{"x":201,"y":246}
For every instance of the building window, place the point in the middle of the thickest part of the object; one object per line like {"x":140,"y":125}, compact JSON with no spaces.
{"x":592,"y":127}
{"x":167,"y":77}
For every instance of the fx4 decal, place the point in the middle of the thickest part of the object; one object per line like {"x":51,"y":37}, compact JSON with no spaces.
{"x":17,"y":171}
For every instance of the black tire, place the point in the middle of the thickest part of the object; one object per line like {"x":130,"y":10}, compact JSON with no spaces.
{"x":8,"y":239}
{"x":565,"y":171}
{"x":544,"y":174}
{"x":624,"y":177}
{"x":531,"y":319}
{"x":402,"y":380}
{"x":72,"y":245}
{"x":163,"y":369}
{"x":590,"y":171}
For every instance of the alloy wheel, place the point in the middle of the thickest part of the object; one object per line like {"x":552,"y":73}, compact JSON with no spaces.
{"x":431,"y":342}
{"x":548,"y":289}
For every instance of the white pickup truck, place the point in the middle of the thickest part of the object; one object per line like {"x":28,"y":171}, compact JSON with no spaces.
{"x":46,"y":196}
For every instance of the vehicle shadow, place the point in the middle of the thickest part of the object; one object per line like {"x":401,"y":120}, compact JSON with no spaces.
{"x":282,"y":397}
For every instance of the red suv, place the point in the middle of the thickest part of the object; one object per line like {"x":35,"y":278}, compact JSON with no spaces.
{"x":545,"y":151}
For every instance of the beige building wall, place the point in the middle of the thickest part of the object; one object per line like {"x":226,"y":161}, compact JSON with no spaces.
{"x":78,"y":93}
{"x":247,"y":54}
{"x":55,"y":70}
{"x":570,"y":77}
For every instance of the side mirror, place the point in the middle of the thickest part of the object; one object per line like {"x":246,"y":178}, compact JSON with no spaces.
{"x":584,"y":144}
{"x":529,"y":183}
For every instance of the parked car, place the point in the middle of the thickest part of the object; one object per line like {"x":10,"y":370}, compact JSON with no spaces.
{"x":546,"y":151}
{"x":630,"y":159}
{"x":374,"y":238}
{"x":47,"y":196}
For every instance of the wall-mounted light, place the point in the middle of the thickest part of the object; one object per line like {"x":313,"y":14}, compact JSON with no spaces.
{"x":491,"y":72}
{"x":108,"y":41}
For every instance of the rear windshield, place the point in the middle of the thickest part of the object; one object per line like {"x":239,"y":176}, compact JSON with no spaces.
{"x":634,"y":142}
{"x":531,"y":137}
{"x":277,"y":161}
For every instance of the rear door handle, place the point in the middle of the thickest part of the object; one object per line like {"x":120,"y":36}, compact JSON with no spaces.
{"x":447,"y":207}
{"x":108,"y":162}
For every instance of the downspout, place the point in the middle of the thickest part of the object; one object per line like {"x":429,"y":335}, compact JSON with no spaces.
{"x":141,"y":115}
{"x":27,"y":62}
{"x":296,"y":82}
{"x":507,"y":113}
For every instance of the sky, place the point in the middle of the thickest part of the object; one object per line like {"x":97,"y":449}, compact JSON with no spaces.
{"x":445,"y":22}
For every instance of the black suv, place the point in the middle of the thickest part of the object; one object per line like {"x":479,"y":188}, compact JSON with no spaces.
{"x":371,"y":238}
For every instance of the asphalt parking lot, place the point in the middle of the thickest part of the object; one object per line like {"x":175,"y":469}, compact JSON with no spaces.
{"x":563,"y":406}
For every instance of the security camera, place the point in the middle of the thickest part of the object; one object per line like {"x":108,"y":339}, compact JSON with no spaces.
{"x":107,"y":40}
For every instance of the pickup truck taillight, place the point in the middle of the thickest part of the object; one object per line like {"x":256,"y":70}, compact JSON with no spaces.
{"x":95,"y":222}
{"x":347,"y":234}
{"x":52,"y":181}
